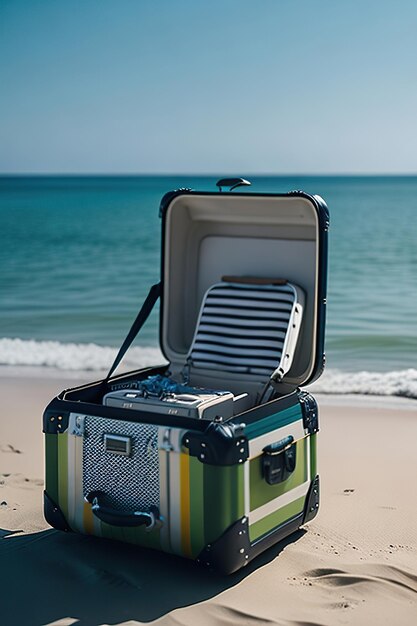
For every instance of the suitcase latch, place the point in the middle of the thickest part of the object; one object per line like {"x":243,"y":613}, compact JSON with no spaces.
{"x":279,"y":460}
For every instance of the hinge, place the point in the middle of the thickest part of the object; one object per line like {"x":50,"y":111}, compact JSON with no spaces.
{"x":219,"y":444}
{"x":310,"y":412}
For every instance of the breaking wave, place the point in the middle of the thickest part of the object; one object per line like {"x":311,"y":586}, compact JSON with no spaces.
{"x":79,"y":357}
{"x":401,"y":383}
{"x":73,"y":356}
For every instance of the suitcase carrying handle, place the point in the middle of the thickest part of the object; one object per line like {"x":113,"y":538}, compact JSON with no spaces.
{"x":232,"y":183}
{"x":278,"y":460}
{"x":115,"y":517}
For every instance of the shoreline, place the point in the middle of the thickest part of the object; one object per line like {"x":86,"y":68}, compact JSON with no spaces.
{"x":71,"y":378}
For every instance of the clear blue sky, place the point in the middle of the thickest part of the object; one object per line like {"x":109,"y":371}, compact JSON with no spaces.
{"x":276,"y":86}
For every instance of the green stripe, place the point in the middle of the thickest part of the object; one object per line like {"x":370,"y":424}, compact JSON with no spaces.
{"x":51,"y":466}
{"x":261,"y":492}
{"x":275,"y":519}
{"x":196,"y":506}
{"x":313,"y":455}
{"x":223,"y":499}
{"x":63,"y":473}
{"x":273,"y":422}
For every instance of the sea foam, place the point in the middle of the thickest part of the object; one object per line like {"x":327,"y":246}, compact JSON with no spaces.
{"x":401,"y":383}
{"x":79,"y":357}
{"x":73,"y":356}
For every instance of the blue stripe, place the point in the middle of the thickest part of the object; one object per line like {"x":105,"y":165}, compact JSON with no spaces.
{"x":272,"y":422}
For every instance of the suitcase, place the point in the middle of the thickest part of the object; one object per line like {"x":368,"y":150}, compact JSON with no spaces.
{"x":219,"y":490}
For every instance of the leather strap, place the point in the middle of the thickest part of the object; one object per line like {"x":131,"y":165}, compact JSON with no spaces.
{"x":151,"y":298}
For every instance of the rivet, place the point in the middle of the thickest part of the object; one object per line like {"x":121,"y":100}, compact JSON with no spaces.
{"x":202,"y":456}
{"x":52,"y":419}
{"x":242,"y":550}
{"x":60,"y":418}
{"x":187,"y":441}
{"x":240,"y":532}
{"x":203,"y":445}
{"x":246,"y":556}
{"x":244,"y":520}
{"x":240,"y":460}
{"x":242,"y":450}
{"x":238,"y":443}
{"x":209,"y":547}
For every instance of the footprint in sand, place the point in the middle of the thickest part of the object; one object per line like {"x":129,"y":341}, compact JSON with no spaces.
{"x":10,"y":448}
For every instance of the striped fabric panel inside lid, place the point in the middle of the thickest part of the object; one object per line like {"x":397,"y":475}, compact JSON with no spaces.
{"x":242,"y":328}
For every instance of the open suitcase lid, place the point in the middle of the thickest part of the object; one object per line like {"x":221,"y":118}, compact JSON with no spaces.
{"x":206,"y":235}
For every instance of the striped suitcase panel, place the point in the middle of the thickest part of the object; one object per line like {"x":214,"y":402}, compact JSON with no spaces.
{"x":242,"y":328}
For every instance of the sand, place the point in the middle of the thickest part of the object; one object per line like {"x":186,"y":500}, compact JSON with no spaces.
{"x":356,"y":563}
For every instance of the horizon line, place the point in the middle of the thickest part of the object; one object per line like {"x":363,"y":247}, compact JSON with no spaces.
{"x":207,"y":174}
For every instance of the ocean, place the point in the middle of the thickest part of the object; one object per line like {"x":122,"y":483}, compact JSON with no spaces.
{"x":78,"y":255}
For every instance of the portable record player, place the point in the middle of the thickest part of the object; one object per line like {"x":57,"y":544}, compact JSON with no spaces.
{"x":198,"y":406}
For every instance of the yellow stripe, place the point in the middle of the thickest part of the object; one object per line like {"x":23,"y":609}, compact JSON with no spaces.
{"x":88,"y":519}
{"x":185,"y":504}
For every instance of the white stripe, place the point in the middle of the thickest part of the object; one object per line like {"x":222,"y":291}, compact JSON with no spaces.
{"x":307,"y":456}
{"x":235,"y":324}
{"x":233,"y":359}
{"x":163,"y":490}
{"x":232,"y":331}
{"x":251,"y":352}
{"x":246,"y":488}
{"x":75,"y":477}
{"x":76,"y":449}
{"x":269,"y":314}
{"x":231,"y":341}
{"x":279,"y":502}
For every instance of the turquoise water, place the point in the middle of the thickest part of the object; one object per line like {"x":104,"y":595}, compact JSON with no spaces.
{"x":78,"y":255}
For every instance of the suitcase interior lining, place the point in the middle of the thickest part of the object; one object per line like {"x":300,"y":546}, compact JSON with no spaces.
{"x":208,"y":237}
